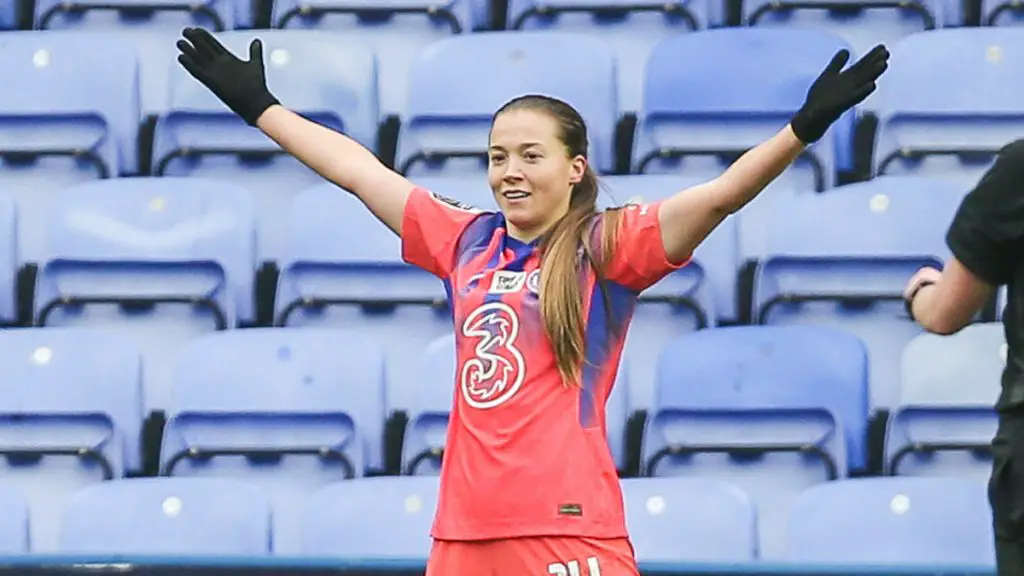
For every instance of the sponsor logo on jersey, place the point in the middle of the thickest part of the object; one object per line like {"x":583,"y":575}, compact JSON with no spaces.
{"x":505,"y":282}
{"x":454,"y":203}
{"x":496,"y":369}
{"x":533,"y":282}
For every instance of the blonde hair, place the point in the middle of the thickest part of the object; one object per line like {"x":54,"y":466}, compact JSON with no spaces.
{"x":561,"y":278}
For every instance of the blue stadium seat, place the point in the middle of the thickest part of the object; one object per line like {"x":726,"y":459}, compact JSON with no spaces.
{"x":342,"y":268}
{"x":9,"y":261}
{"x":74,"y":116}
{"x":950,"y":124}
{"x":945,"y":421}
{"x":1001,"y":13}
{"x":71,"y":415}
{"x":293,"y":409}
{"x":447,"y":125}
{"x":143,"y":14}
{"x":163,"y":259}
{"x":168,"y":516}
{"x":384,"y":519}
{"x":632,"y":28}
{"x":862,"y":23}
{"x":697,"y":296}
{"x":843,"y":258}
{"x":773,"y":409}
{"x":328,"y":79}
{"x":397,"y":31}
{"x":9,"y":14}
{"x":14,"y":525}
{"x":426,"y":431}
{"x":699,"y":113}
{"x":893,"y":521}
{"x":689,"y":520}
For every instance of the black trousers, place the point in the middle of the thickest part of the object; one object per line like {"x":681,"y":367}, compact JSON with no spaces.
{"x":1006,"y":493}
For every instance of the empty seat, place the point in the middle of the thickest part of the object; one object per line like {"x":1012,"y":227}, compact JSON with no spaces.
{"x":632,"y":28}
{"x":74,"y":116}
{"x":9,"y":261}
{"x":772,"y":409}
{"x":14,"y":524}
{"x":426,"y":431}
{"x":328,"y":79}
{"x":291,"y":409}
{"x":457,"y":84}
{"x":143,"y":14}
{"x":843,"y":259}
{"x":9,"y":14}
{"x":396,"y":32}
{"x":893,"y":521}
{"x":700,"y":113}
{"x":862,"y":23}
{"x":343,"y":268}
{"x":70,"y":415}
{"x":168,"y":516}
{"x":945,"y":420}
{"x":382,"y":519}
{"x":163,"y":259}
{"x":950,"y":124}
{"x":689,"y":520}
{"x":1001,"y":13}
{"x":697,"y":296}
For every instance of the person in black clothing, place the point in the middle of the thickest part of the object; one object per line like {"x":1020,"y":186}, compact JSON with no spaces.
{"x":987,"y":242}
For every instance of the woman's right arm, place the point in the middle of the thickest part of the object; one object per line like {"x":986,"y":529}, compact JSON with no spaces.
{"x":342,"y":161}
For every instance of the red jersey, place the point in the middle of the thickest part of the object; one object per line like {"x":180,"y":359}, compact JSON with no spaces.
{"x":526,"y":455}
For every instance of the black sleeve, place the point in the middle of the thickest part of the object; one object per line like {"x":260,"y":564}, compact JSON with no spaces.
{"x":988,"y":228}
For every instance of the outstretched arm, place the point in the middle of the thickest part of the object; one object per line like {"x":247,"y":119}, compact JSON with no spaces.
{"x":242,"y":86}
{"x":689,"y":216}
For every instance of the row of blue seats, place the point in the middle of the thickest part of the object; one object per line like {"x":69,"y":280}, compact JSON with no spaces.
{"x":838,"y":259}
{"x":295,"y":408}
{"x":410,"y":24}
{"x":865,"y":522}
{"x":694,"y":116}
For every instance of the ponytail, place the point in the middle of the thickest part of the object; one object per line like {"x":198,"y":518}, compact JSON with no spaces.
{"x":561,"y":303}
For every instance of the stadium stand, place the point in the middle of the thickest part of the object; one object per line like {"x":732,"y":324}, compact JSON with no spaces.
{"x":180,"y":301}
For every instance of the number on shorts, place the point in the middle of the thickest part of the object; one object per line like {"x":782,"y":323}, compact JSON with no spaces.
{"x":572,"y":568}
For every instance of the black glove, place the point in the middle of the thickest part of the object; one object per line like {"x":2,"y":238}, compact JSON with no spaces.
{"x":835,"y":92}
{"x":242,"y":86}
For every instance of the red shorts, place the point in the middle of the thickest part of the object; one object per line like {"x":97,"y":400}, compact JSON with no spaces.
{"x":534,"y":556}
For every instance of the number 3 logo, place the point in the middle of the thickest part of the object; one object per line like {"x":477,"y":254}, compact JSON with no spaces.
{"x":496,"y":371}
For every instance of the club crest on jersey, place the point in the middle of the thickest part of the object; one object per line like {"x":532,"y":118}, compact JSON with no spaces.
{"x":453,"y":203}
{"x":533,"y":282}
{"x":496,"y":370}
{"x":505,"y":282}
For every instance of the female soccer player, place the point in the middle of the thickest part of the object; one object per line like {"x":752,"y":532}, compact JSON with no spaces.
{"x":542,"y":292}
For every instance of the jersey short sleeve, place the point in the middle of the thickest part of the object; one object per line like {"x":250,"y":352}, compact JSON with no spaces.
{"x":988,"y":229}
{"x":639,"y":259}
{"x":431,"y":227}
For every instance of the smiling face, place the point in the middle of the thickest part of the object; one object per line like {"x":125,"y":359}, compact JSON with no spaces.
{"x":530,"y":171}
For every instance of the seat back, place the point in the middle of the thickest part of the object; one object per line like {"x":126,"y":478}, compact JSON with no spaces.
{"x":689,"y":520}
{"x":776,"y":409}
{"x":143,"y":14}
{"x":344,"y":269}
{"x":70,"y":416}
{"x":945,"y":420}
{"x":951,"y":124}
{"x":632,"y":29}
{"x":396,"y":32}
{"x":447,"y":126}
{"x":843,"y":259}
{"x":387,"y":518}
{"x":295,"y":409}
{"x":162,"y":258}
{"x":14,"y":526}
{"x":699,"y":113}
{"x":169,"y":516}
{"x":74,"y":117}
{"x":328,"y":79}
{"x":893,"y":521}
{"x":10,"y":260}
